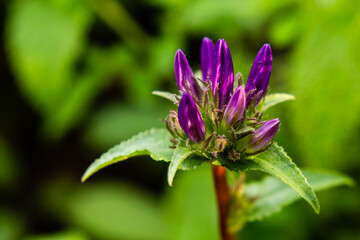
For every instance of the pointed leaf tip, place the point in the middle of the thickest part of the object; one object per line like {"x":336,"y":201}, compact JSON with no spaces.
{"x":277,"y":163}
{"x":153,"y":142}
{"x":167,"y":95}
{"x":276,"y":98}
{"x":181,"y":152}
{"x":271,"y":194}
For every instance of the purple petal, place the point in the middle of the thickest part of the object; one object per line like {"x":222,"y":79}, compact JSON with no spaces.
{"x":190,"y":119}
{"x":184,"y":75}
{"x":223,"y":74}
{"x":264,"y":135}
{"x":235,"y":109}
{"x":206,"y":58}
{"x":259,"y":74}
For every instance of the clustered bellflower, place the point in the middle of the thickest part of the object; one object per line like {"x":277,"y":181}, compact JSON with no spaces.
{"x":219,"y":120}
{"x":217,"y":114}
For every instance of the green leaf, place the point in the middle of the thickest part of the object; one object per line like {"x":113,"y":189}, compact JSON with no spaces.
{"x":181,"y":152}
{"x":167,"y":95}
{"x":192,"y":161}
{"x":153,"y":142}
{"x":271,"y":195}
{"x":276,"y":98}
{"x":277,"y":163}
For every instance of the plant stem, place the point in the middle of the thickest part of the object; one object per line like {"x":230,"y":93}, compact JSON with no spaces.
{"x":223,"y":197}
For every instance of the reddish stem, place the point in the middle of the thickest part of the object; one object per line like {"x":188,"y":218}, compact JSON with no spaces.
{"x":223,"y":197}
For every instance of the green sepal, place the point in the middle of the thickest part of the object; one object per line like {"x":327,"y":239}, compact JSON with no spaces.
{"x":276,"y":162}
{"x":167,"y":95}
{"x":276,"y":98}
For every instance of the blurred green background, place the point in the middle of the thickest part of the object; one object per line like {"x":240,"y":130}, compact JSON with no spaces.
{"x":77,"y":76}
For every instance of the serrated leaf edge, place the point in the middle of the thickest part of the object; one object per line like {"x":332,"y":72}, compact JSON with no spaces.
{"x":175,"y":159}
{"x":89,"y":171}
{"x":316,"y":207}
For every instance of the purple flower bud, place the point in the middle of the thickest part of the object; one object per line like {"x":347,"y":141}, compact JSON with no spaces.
{"x":206,"y":58}
{"x":223,"y":74}
{"x":190,"y":119}
{"x":185,"y":78}
{"x":263,"y":135}
{"x":259,"y":74}
{"x":235,"y":109}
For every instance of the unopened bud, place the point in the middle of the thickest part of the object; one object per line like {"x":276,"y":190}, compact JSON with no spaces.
{"x":223,"y":74}
{"x":184,"y":75}
{"x":190,"y":119}
{"x":235,"y":109}
{"x":170,"y":126}
{"x":259,"y":75}
{"x":220,"y":143}
{"x":176,"y":126}
{"x":264,"y":135}
{"x":206,"y":58}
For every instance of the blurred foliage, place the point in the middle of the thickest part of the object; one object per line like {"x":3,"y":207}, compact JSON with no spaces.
{"x":325,"y":77}
{"x":67,"y":235}
{"x":119,"y":122}
{"x":109,"y":210}
{"x":43,"y":57}
{"x":115,"y":206}
{"x":271,"y":195}
{"x":84,"y":71}
{"x":11,"y":226}
{"x":8,"y":167}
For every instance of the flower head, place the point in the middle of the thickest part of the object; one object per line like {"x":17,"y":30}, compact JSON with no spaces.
{"x":259,"y":75}
{"x":217,"y":119}
{"x":190,"y":119}
{"x":223,"y":74}
{"x":185,"y":78}
{"x":263,"y":135}
{"x":206,"y":58}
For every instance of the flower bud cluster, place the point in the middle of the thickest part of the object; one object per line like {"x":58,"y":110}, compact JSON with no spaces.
{"x":214,"y":115}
